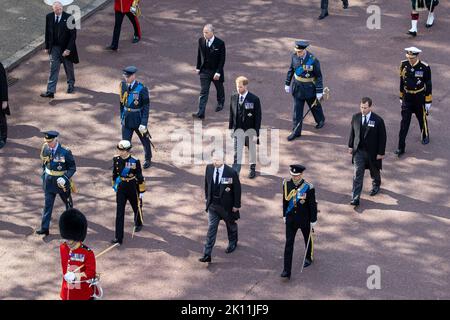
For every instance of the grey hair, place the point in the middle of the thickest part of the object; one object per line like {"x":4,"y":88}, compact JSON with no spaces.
{"x":210,"y":27}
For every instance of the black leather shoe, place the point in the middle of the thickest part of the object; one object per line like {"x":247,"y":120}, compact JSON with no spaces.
{"x":136,"y":39}
{"x":47,"y":95}
{"x":70,"y":89}
{"x":43,"y":231}
{"x":252,"y":174}
{"x":231,"y":248}
{"x":426,"y":140}
{"x":285,"y":274}
{"x":374,"y":191}
{"x":147,"y":164}
{"x":355,"y":202}
{"x":205,"y":258}
{"x":196,"y":115}
{"x":429,"y":25}
{"x":292,"y":136}
{"x":323,"y":15}
{"x":111,"y":48}
{"x":412,"y":33}
{"x":345,"y":4}
{"x":116,"y":241}
{"x":320,"y":124}
{"x":307,"y":263}
{"x":137,"y":228}
{"x":399,"y":152}
{"x":219,"y":107}
{"x":2,"y":143}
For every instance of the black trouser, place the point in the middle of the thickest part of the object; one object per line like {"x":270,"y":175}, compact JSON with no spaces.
{"x":127,"y":134}
{"x":206,"y":77}
{"x":412,"y":105}
{"x":291,"y":230}
{"x":127,"y":191}
{"x":118,"y":26}
{"x":361,"y":161}
{"x":297,"y":117}
{"x":3,"y":125}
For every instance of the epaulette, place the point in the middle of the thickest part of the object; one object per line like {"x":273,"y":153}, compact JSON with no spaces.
{"x":424,"y":63}
{"x":65,"y":147}
{"x":83,"y":246}
{"x":311,"y":186}
{"x":134,"y":157}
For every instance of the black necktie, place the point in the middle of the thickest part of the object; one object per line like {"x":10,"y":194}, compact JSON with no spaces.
{"x":57,"y":20}
{"x":241,"y":99}
{"x":365,"y":121}
{"x":217,"y":177}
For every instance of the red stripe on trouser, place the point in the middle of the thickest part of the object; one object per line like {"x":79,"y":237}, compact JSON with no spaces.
{"x":138,"y":26}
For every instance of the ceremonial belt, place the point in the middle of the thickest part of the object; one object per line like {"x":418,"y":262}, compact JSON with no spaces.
{"x":127,"y":179}
{"x":54,"y":173}
{"x":132,"y":110}
{"x":298,"y":78}
{"x":414,"y":91}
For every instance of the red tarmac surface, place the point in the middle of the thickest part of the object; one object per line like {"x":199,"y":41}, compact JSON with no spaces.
{"x":404,"y":230}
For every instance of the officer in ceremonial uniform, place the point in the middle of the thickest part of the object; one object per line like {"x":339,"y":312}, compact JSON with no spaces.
{"x":418,"y":6}
{"x":129,"y":184}
{"x":299,"y":212}
{"x":307,"y":86}
{"x":134,"y":111}
{"x":415,"y":96}
{"x":58,"y":167}
{"x":77,"y":260}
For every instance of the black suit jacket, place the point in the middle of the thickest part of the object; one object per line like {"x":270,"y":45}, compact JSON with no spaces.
{"x":3,"y":89}
{"x":252,"y":112}
{"x":230,"y":192}
{"x":374,"y":137}
{"x":304,"y":211}
{"x":67,"y":36}
{"x":213,"y":58}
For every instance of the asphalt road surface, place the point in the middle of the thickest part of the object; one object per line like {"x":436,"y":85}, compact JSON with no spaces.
{"x":403,"y":230}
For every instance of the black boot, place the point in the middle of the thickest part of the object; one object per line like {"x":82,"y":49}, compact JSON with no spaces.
{"x":323,"y":14}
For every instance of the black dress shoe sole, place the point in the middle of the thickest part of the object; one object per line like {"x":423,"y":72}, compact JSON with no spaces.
{"x":51,"y":96}
{"x":413,"y":34}
{"x":374,"y":193}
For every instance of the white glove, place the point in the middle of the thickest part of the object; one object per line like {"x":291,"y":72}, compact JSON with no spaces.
{"x":287,"y":89}
{"x":61,"y":182}
{"x":319,"y":96}
{"x":142,"y":129}
{"x":313,"y":224}
{"x":133,"y":10}
{"x":141,"y":195}
{"x":401,"y":102}
{"x":428,"y":106}
{"x":70,"y":277}
{"x":284,"y":219}
{"x":4,"y":104}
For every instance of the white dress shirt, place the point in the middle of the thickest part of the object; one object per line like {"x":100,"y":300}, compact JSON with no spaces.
{"x":367,"y":118}
{"x":242,"y":95}
{"x":220,"y":169}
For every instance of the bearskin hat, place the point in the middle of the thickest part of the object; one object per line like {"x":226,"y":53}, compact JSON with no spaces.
{"x":73,"y":225}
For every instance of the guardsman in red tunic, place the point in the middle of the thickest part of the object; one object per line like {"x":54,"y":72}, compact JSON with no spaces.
{"x":129,"y":8}
{"x":77,"y":260}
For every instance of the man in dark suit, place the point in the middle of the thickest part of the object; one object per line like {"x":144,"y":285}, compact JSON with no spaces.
{"x":60,"y":36}
{"x":367,"y":144}
{"x":245,"y":114}
{"x":210,"y":63}
{"x":299,"y":212}
{"x":223,"y":200}
{"x":4,"y":107}
{"x":324,"y":8}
